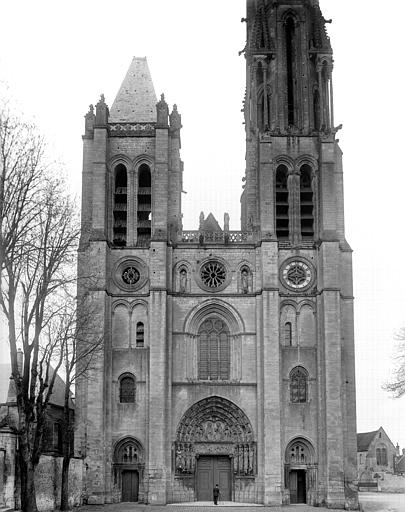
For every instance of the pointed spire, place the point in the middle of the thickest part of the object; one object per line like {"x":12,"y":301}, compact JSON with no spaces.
{"x":260,"y":34}
{"x":102,"y":112}
{"x":90,"y":120}
{"x":162,"y":110}
{"x":136,"y":99}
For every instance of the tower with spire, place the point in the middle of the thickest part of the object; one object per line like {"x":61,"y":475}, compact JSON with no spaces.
{"x":227,"y":356}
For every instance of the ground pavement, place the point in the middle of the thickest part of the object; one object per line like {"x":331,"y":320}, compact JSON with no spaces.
{"x":201,"y":507}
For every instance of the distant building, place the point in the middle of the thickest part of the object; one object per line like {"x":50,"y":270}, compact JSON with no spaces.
{"x":9,"y":487}
{"x":375,"y":453}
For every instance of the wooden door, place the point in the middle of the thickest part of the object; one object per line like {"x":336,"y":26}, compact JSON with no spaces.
{"x":212,"y":471}
{"x":298,"y":487}
{"x":130,"y":485}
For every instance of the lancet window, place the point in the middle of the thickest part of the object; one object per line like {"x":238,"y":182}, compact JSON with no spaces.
{"x":120,"y":206}
{"x":291,"y":50}
{"x":213,"y":353}
{"x":306,"y":202}
{"x":140,"y":334}
{"x":282,"y":202}
{"x":298,"y":385}
{"x":127,"y":389}
{"x":144,"y":214}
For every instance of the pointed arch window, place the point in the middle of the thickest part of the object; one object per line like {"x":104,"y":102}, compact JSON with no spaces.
{"x":213,"y":353}
{"x":317,"y":110}
{"x":140,"y":334}
{"x":282,"y":203}
{"x":144,"y":214}
{"x":288,"y":334}
{"x":120,"y":206}
{"x":306,"y":202}
{"x":127,"y":389}
{"x":290,"y":38}
{"x":298,"y":385}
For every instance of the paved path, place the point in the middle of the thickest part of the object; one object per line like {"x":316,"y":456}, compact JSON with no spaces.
{"x":200,"y":507}
{"x":382,"y":502}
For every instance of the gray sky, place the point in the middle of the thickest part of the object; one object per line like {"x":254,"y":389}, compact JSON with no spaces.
{"x":57,"y":58}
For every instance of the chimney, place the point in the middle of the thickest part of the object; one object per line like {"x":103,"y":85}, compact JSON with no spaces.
{"x":20,"y":360}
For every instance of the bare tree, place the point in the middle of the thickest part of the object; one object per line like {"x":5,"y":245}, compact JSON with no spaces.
{"x":397,"y":385}
{"x":80,"y":340}
{"x":38,"y":239}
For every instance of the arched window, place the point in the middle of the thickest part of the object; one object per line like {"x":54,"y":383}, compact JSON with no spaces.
{"x":317,"y":111}
{"x":128,"y":452}
{"x":214,"y":354}
{"x":291,"y":56}
{"x":282,"y":203}
{"x":144,"y":219}
{"x":120,"y":206}
{"x":306,"y":202}
{"x":140,"y":334}
{"x":298,"y":385}
{"x":127,"y":389}
{"x":288,"y":334}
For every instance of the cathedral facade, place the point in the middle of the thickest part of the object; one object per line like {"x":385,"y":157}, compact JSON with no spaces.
{"x":228,"y":356}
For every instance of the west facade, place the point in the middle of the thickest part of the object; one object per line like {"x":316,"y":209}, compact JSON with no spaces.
{"x":228,"y":355}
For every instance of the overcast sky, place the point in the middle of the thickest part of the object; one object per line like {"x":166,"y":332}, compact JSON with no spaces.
{"x":59,"y":56}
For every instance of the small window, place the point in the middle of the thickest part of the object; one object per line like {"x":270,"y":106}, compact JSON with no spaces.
{"x":298,"y":386}
{"x":57,"y":437}
{"x":140,"y":334}
{"x":288,"y":334}
{"x":127,"y":390}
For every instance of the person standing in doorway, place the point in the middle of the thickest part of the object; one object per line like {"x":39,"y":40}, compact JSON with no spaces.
{"x":216,"y":493}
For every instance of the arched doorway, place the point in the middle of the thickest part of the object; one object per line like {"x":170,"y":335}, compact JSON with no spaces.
{"x":300,"y":472}
{"x":215,"y":445}
{"x":128,"y":470}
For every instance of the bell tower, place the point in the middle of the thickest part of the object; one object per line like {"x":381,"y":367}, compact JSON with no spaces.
{"x":293,"y":201}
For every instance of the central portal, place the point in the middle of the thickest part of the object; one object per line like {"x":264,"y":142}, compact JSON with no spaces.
{"x":212,"y":471}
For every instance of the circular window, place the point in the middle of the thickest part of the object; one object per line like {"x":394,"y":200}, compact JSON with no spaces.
{"x":131,"y":275}
{"x":213,"y":274}
{"x":297,"y":274}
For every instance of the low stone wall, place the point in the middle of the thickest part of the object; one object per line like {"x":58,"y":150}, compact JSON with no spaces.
{"x":391,"y":483}
{"x":48,"y":482}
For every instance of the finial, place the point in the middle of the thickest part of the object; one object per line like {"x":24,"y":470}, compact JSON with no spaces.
{"x":162,"y":112}
{"x":102,"y":112}
{"x":175,"y":122}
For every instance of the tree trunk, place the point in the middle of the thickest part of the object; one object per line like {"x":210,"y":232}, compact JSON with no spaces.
{"x":64,"y":497}
{"x":28,"y":495}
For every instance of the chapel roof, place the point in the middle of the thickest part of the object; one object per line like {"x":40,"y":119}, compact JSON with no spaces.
{"x":136,"y":100}
{"x":364,"y":440}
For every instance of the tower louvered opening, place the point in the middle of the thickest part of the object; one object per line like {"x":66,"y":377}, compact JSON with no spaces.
{"x":306,"y":202}
{"x":120,"y":206}
{"x":282,"y":203}
{"x":144,"y":214}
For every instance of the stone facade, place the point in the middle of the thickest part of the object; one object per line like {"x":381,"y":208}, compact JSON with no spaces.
{"x":228,"y":355}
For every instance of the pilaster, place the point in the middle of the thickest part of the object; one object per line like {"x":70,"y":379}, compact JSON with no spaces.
{"x":158,"y":371}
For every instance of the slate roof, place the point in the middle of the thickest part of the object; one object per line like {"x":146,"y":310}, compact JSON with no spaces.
{"x":136,"y":99}
{"x":364,"y":439}
{"x":7,"y":388}
{"x":211,"y":225}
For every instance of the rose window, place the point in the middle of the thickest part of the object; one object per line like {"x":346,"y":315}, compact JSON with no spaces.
{"x":213,"y":274}
{"x":296,"y":275}
{"x":130,"y":275}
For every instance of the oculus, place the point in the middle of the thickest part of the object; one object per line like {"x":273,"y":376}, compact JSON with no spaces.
{"x":130,"y":274}
{"x":213,"y":274}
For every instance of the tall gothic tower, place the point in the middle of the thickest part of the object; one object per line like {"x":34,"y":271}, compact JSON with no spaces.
{"x":228,"y":356}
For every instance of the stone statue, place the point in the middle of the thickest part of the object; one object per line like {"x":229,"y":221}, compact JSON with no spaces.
{"x":244,"y":279}
{"x":183,"y":280}
{"x":226,"y":222}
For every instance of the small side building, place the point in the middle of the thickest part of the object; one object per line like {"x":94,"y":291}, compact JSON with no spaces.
{"x":377,"y":460}
{"x":48,"y":474}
